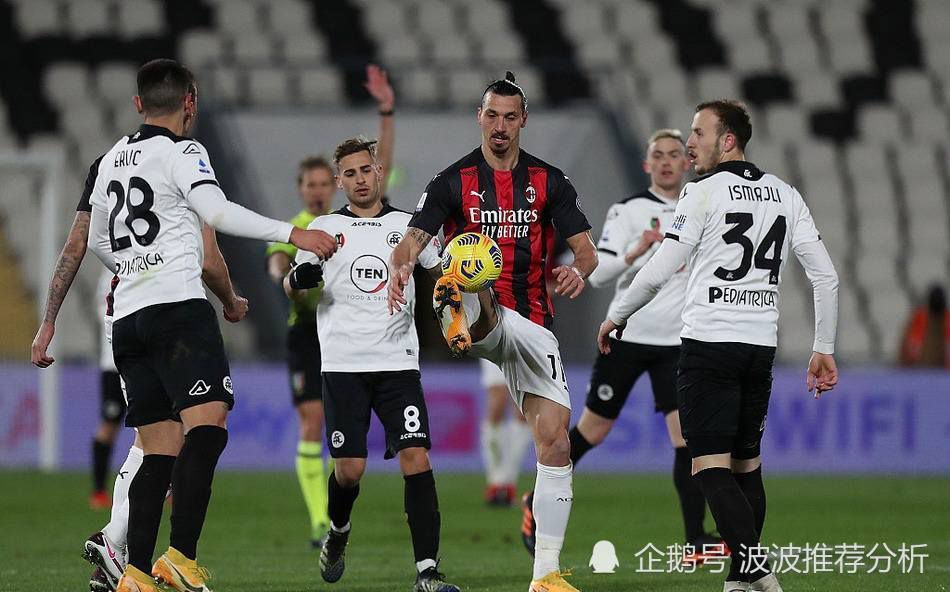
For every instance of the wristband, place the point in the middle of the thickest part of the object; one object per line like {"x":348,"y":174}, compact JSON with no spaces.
{"x":305,"y":276}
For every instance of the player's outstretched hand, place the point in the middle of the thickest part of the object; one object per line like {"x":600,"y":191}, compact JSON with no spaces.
{"x":44,"y":336}
{"x":822,"y":373}
{"x":317,"y":242}
{"x":397,"y":287}
{"x":603,"y":335}
{"x":236,"y":310}
{"x":377,"y":85}
{"x":570,"y":283}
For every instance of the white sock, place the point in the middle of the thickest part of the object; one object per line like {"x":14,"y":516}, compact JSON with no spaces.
{"x":341,"y":530}
{"x":553,"y":497}
{"x":425,"y":564}
{"x":118,"y":528}
{"x":519,"y":437}
{"x":493,"y":446}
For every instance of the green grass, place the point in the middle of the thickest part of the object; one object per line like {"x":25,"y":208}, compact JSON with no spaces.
{"x":255,"y":536}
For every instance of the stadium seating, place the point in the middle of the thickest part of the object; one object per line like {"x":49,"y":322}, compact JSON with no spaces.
{"x":854,"y":116}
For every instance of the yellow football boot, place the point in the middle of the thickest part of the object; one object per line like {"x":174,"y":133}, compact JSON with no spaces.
{"x":136,"y":580}
{"x":180,"y":573}
{"x":447,"y":303}
{"x":553,"y":582}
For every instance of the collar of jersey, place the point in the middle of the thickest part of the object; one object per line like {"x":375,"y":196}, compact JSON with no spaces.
{"x":738,"y":168}
{"x":147,"y":131}
{"x":345,"y":211}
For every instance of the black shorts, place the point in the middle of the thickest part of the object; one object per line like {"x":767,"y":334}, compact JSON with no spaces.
{"x":112,"y":402}
{"x":723,"y":393}
{"x":615,"y":374}
{"x":171,"y":357}
{"x":303,"y":361}
{"x":396,"y":397}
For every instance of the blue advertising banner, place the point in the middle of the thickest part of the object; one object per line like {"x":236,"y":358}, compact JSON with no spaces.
{"x":876,"y":421}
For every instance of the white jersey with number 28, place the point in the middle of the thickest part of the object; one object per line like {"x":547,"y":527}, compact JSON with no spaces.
{"x":742,"y":222}
{"x":142,"y":184}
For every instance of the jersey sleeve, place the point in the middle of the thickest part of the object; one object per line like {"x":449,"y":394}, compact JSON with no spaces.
{"x":804,"y":231}
{"x":191,"y":167}
{"x":90,"y":185}
{"x":429,"y":257}
{"x":692,"y":212}
{"x":566,"y":206}
{"x":434,"y":207}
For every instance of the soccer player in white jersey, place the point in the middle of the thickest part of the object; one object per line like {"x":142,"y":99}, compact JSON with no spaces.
{"x":370,"y":361}
{"x":632,"y":234}
{"x":503,"y":444}
{"x":106,"y":548}
{"x":151,"y":192}
{"x":735,"y":225}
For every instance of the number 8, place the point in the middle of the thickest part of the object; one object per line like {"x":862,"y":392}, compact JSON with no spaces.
{"x":411,"y":414}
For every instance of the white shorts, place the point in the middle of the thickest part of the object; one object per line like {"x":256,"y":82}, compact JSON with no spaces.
{"x":106,"y":362}
{"x":492,"y":375}
{"x":527,"y":354}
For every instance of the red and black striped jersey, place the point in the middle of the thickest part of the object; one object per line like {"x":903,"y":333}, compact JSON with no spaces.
{"x":518,"y":209}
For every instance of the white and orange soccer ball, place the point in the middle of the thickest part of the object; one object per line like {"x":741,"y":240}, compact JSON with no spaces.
{"x":473,"y":260}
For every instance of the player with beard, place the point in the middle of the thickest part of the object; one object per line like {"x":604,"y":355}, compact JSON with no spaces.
{"x":632,"y":233}
{"x":735,"y":224}
{"x":516,"y":199}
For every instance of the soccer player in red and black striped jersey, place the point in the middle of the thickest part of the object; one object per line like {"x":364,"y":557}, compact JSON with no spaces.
{"x":518,"y":200}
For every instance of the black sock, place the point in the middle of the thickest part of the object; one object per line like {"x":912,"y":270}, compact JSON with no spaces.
{"x":422,"y":513}
{"x":340,"y":501}
{"x":734,"y":518}
{"x":100,"y":464}
{"x":146,"y":497}
{"x":692,"y":502}
{"x":754,"y":490}
{"x":191,"y":485}
{"x":579,"y":444}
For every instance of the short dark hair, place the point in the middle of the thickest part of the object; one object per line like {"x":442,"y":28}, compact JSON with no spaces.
{"x":312,"y":162}
{"x":507,"y":87}
{"x":163,"y":84}
{"x":352,"y":146}
{"x":733,"y":118}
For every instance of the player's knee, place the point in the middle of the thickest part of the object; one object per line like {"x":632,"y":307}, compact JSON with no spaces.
{"x":594,"y":427}
{"x":349,"y":471}
{"x":554,"y":447}
{"x":107,"y":432}
{"x":311,"y":421}
{"x":414,"y":460}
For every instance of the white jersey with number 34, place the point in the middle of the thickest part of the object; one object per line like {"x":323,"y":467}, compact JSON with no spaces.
{"x":142,"y":184}
{"x":742,"y":222}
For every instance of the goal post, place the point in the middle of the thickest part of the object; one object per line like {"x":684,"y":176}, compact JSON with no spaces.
{"x":48,"y":167}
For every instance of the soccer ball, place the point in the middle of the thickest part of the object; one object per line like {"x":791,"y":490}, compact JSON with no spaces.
{"x":473,"y":260}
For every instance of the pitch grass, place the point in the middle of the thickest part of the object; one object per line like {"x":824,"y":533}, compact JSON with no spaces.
{"x":255,"y":536}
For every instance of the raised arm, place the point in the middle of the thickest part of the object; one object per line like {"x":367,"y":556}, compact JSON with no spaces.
{"x":67,"y":265}
{"x":570,"y":278}
{"x":214,"y":272}
{"x":377,"y":84}
{"x":401,"y":263}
